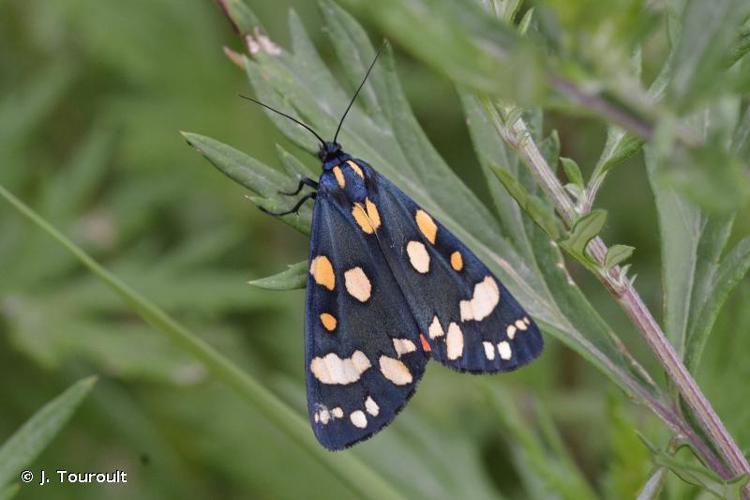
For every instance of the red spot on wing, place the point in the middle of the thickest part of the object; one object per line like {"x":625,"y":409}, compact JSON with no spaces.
{"x":425,"y":345}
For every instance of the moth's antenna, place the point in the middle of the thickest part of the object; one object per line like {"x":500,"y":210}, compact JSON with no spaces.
{"x":372,"y":64}
{"x":305,"y":126}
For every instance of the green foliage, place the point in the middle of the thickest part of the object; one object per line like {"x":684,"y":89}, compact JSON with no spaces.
{"x":37,"y":432}
{"x":93,"y":93}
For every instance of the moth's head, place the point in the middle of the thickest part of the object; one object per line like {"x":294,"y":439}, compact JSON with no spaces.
{"x":329,"y":151}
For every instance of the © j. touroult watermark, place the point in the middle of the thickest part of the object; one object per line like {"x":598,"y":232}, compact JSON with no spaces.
{"x":62,"y":476}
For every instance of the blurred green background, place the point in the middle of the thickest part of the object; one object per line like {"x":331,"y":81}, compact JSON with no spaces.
{"x":92,"y":96}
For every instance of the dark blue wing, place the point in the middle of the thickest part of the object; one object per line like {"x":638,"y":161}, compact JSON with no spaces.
{"x":363,"y":353}
{"x":471,"y":320}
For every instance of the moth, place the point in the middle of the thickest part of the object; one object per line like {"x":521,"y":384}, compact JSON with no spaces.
{"x":390,"y":288}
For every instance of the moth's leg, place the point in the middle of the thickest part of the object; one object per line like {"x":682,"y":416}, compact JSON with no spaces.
{"x":305,"y":181}
{"x":295,"y":208}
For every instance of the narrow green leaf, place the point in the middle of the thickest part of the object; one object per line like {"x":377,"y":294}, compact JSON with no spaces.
{"x":616,"y":255}
{"x":358,"y":476}
{"x":655,"y":483}
{"x":584,"y":230}
{"x":698,"y":475}
{"x":539,"y":211}
{"x":241,"y":168}
{"x":301,"y":221}
{"x":293,"y":278}
{"x":729,"y":274}
{"x":620,"y":146}
{"x":708,"y":31}
{"x":572,"y":171}
{"x":293,"y":166}
{"x":241,"y":16}
{"x":538,"y":455}
{"x":36,"y":433}
{"x":464,"y":41}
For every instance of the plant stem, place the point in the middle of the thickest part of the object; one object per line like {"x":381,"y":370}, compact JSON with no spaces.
{"x":518,"y":137}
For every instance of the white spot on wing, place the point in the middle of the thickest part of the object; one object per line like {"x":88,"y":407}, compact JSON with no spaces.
{"x":359,"y":419}
{"x":504,"y":349}
{"x":483,"y":302}
{"x":454,"y":341}
{"x":521,"y":325}
{"x":403,"y":346}
{"x":331,"y":369}
{"x":371,"y":406}
{"x":358,"y":284}
{"x":511,"y":331}
{"x":435,"y":330}
{"x":395,"y":371}
{"x":418,"y":256}
{"x":489,"y":350}
{"x":337,"y":412}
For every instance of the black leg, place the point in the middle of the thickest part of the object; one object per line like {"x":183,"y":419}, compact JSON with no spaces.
{"x":305,"y":181}
{"x":295,"y":208}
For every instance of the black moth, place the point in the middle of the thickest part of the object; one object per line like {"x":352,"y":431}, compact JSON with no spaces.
{"x":390,"y":287}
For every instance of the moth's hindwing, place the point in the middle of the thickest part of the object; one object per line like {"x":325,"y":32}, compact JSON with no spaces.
{"x":362,"y":343}
{"x":470,"y":320}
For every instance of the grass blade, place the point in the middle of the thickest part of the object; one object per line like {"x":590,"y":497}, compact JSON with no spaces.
{"x":38,"y":431}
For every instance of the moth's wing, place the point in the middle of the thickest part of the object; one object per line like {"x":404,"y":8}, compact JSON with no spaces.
{"x":471,"y":320}
{"x":362,"y":345}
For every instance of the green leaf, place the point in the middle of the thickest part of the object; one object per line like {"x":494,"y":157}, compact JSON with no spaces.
{"x":691,"y":244}
{"x":620,"y":146}
{"x":293,"y":278}
{"x":616,"y":255}
{"x":584,"y":230}
{"x":537,"y":450}
{"x":708,"y":31}
{"x":698,"y":475}
{"x":37,"y":433}
{"x":535,"y":207}
{"x":572,"y":171}
{"x":242,"y":17}
{"x":726,"y":277}
{"x":470,"y":45}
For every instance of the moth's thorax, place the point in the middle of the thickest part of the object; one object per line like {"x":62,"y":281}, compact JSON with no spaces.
{"x":345,"y":175}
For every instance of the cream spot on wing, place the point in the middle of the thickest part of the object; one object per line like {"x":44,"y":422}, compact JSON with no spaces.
{"x":483,"y":302}
{"x":356,"y":168}
{"x":426,"y":225}
{"x":339,"y":177}
{"x":372,"y":407}
{"x":359,"y":419}
{"x":511,"y":331}
{"x":521,"y":325}
{"x":329,"y":321}
{"x":395,"y":370}
{"x":526,"y":320}
{"x":418,"y":256}
{"x":504,"y":349}
{"x":435,"y":330}
{"x":454,"y":342}
{"x":403,"y":346}
{"x":337,"y":412}
{"x":322,"y":272}
{"x":317,"y":417}
{"x":324,"y":416}
{"x":489,"y":350}
{"x":457,"y":261}
{"x":357,"y":284}
{"x":331,"y":369}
